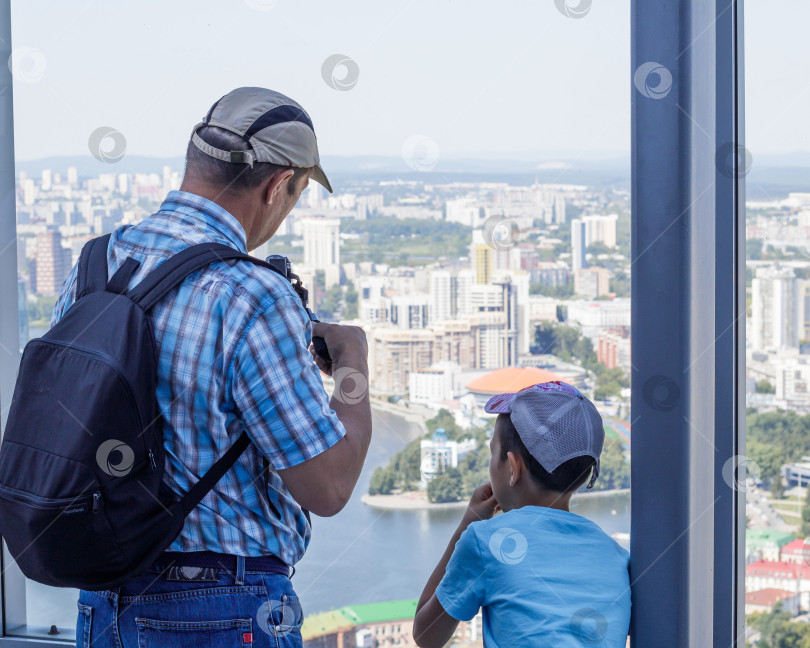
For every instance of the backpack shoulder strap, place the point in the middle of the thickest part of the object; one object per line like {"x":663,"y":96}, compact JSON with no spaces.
{"x":91,"y":275}
{"x":194,"y":496}
{"x":150,"y":291}
{"x":173,"y":271}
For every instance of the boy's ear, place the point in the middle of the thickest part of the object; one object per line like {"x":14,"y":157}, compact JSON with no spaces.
{"x":515,"y":468}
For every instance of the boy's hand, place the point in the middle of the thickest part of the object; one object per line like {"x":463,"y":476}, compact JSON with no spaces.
{"x":482,"y":504}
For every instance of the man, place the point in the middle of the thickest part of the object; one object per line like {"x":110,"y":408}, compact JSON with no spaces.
{"x":235,"y":353}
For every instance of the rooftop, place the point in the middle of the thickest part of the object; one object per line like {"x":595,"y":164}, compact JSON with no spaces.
{"x":768,"y":596}
{"x":510,"y":379}
{"x":316,"y":625}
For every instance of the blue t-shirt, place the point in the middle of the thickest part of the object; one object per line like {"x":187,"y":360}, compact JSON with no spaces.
{"x":544,"y":577}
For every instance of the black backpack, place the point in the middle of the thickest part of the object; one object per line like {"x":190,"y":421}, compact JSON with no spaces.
{"x":82,"y":499}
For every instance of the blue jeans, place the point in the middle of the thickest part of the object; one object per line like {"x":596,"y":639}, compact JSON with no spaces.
{"x":257,"y":610}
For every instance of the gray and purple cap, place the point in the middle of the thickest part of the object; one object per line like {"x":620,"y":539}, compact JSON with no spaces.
{"x":555,"y":422}
{"x":277,"y":129}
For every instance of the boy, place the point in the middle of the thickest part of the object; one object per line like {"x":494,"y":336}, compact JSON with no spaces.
{"x":544,"y":576}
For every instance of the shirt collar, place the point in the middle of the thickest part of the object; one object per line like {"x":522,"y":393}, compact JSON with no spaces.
{"x":208,"y":214}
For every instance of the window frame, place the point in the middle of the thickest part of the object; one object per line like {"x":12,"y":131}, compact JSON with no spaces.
{"x":686,"y":564}
{"x":688,"y":341}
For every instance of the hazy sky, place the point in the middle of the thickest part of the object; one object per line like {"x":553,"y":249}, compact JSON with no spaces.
{"x":477,"y":78}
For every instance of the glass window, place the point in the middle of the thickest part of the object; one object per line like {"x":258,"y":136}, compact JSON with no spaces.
{"x":778,"y":344}
{"x":479,"y":229}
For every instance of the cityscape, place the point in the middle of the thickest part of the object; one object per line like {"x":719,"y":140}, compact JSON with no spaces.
{"x":469,"y":288}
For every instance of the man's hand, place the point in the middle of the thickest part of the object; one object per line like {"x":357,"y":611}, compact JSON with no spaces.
{"x":347,"y":346}
{"x":325,"y":483}
{"x":482,"y":504}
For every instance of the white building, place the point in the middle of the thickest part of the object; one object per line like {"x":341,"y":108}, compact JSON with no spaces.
{"x":792,"y":577}
{"x":443,"y":295}
{"x":441,"y":382}
{"x":409,"y":311}
{"x":466,"y":211}
{"x":599,"y":314}
{"x":322,"y":247}
{"x":601,"y":229}
{"x":438,"y":454}
{"x":774,"y":308}
{"x":579,"y":241}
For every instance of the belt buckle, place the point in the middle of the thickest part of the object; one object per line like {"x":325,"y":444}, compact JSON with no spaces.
{"x":189,"y":574}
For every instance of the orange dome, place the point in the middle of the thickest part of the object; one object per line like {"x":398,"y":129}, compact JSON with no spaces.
{"x":511,"y":379}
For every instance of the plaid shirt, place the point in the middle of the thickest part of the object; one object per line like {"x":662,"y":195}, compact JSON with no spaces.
{"x":232,"y":342}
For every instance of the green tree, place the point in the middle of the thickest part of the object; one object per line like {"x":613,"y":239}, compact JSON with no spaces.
{"x":778,"y":631}
{"x":446,"y":487}
{"x":330,"y":303}
{"x":350,"y":297}
{"x":805,"y":526}
{"x":614,"y":467}
{"x":765,"y":387}
{"x":777,"y":488}
{"x":563,"y":291}
{"x":382,"y":482}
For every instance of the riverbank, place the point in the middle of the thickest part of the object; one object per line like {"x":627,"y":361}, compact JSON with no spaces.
{"x":409,"y":414}
{"x":410,"y":501}
{"x":417,"y":500}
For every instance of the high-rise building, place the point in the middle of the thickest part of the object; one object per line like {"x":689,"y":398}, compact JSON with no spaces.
{"x":46,"y":180}
{"x":53,"y":262}
{"x":803,"y":309}
{"x":72,"y":175}
{"x":321,"y":242}
{"x":592,"y":282}
{"x":443,"y":295}
{"x":774,"y":308}
{"x":466,"y":211}
{"x":579,"y":242}
{"x":314,"y":195}
{"x":409,"y":311}
{"x":482,"y":257}
{"x":559,"y":210}
{"x":322,"y":247}
{"x":123,"y":183}
{"x":601,"y":228}
{"x":465,"y":279}
{"x":509,"y":334}
{"x":29,"y":191}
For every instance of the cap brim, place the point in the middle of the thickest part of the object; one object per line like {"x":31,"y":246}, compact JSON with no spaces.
{"x":499,"y":404}
{"x":319,"y":176}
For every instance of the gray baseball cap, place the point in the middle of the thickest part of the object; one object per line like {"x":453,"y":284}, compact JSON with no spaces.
{"x":555,"y":422}
{"x":277,"y":129}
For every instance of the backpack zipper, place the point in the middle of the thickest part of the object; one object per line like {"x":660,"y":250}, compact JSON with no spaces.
{"x":46,"y":503}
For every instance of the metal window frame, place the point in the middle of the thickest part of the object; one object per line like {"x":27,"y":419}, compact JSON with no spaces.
{"x":687,"y":533}
{"x":688,"y":313}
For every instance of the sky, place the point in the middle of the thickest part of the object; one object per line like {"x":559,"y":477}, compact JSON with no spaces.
{"x":515,"y":78}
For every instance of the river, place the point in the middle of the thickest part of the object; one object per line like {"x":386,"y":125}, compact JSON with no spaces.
{"x":361,"y":555}
{"x":364,"y":555}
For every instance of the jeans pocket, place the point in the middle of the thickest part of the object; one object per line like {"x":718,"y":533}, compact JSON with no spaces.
{"x":84,"y":625}
{"x":281,"y":618}
{"x":194,"y":634}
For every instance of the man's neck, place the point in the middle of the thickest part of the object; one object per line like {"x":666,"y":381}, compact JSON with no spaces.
{"x":233,"y":206}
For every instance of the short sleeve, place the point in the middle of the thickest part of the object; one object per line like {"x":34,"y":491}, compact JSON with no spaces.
{"x":66,"y":296}
{"x":278,"y":390}
{"x":461,"y":591}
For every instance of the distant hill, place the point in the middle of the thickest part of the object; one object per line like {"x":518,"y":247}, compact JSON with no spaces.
{"x":771,"y":176}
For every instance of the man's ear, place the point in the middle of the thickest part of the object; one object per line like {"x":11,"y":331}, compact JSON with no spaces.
{"x":515,"y":468}
{"x":276,"y":183}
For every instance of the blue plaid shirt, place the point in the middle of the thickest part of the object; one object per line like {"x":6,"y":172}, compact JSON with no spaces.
{"x":233,"y":342}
